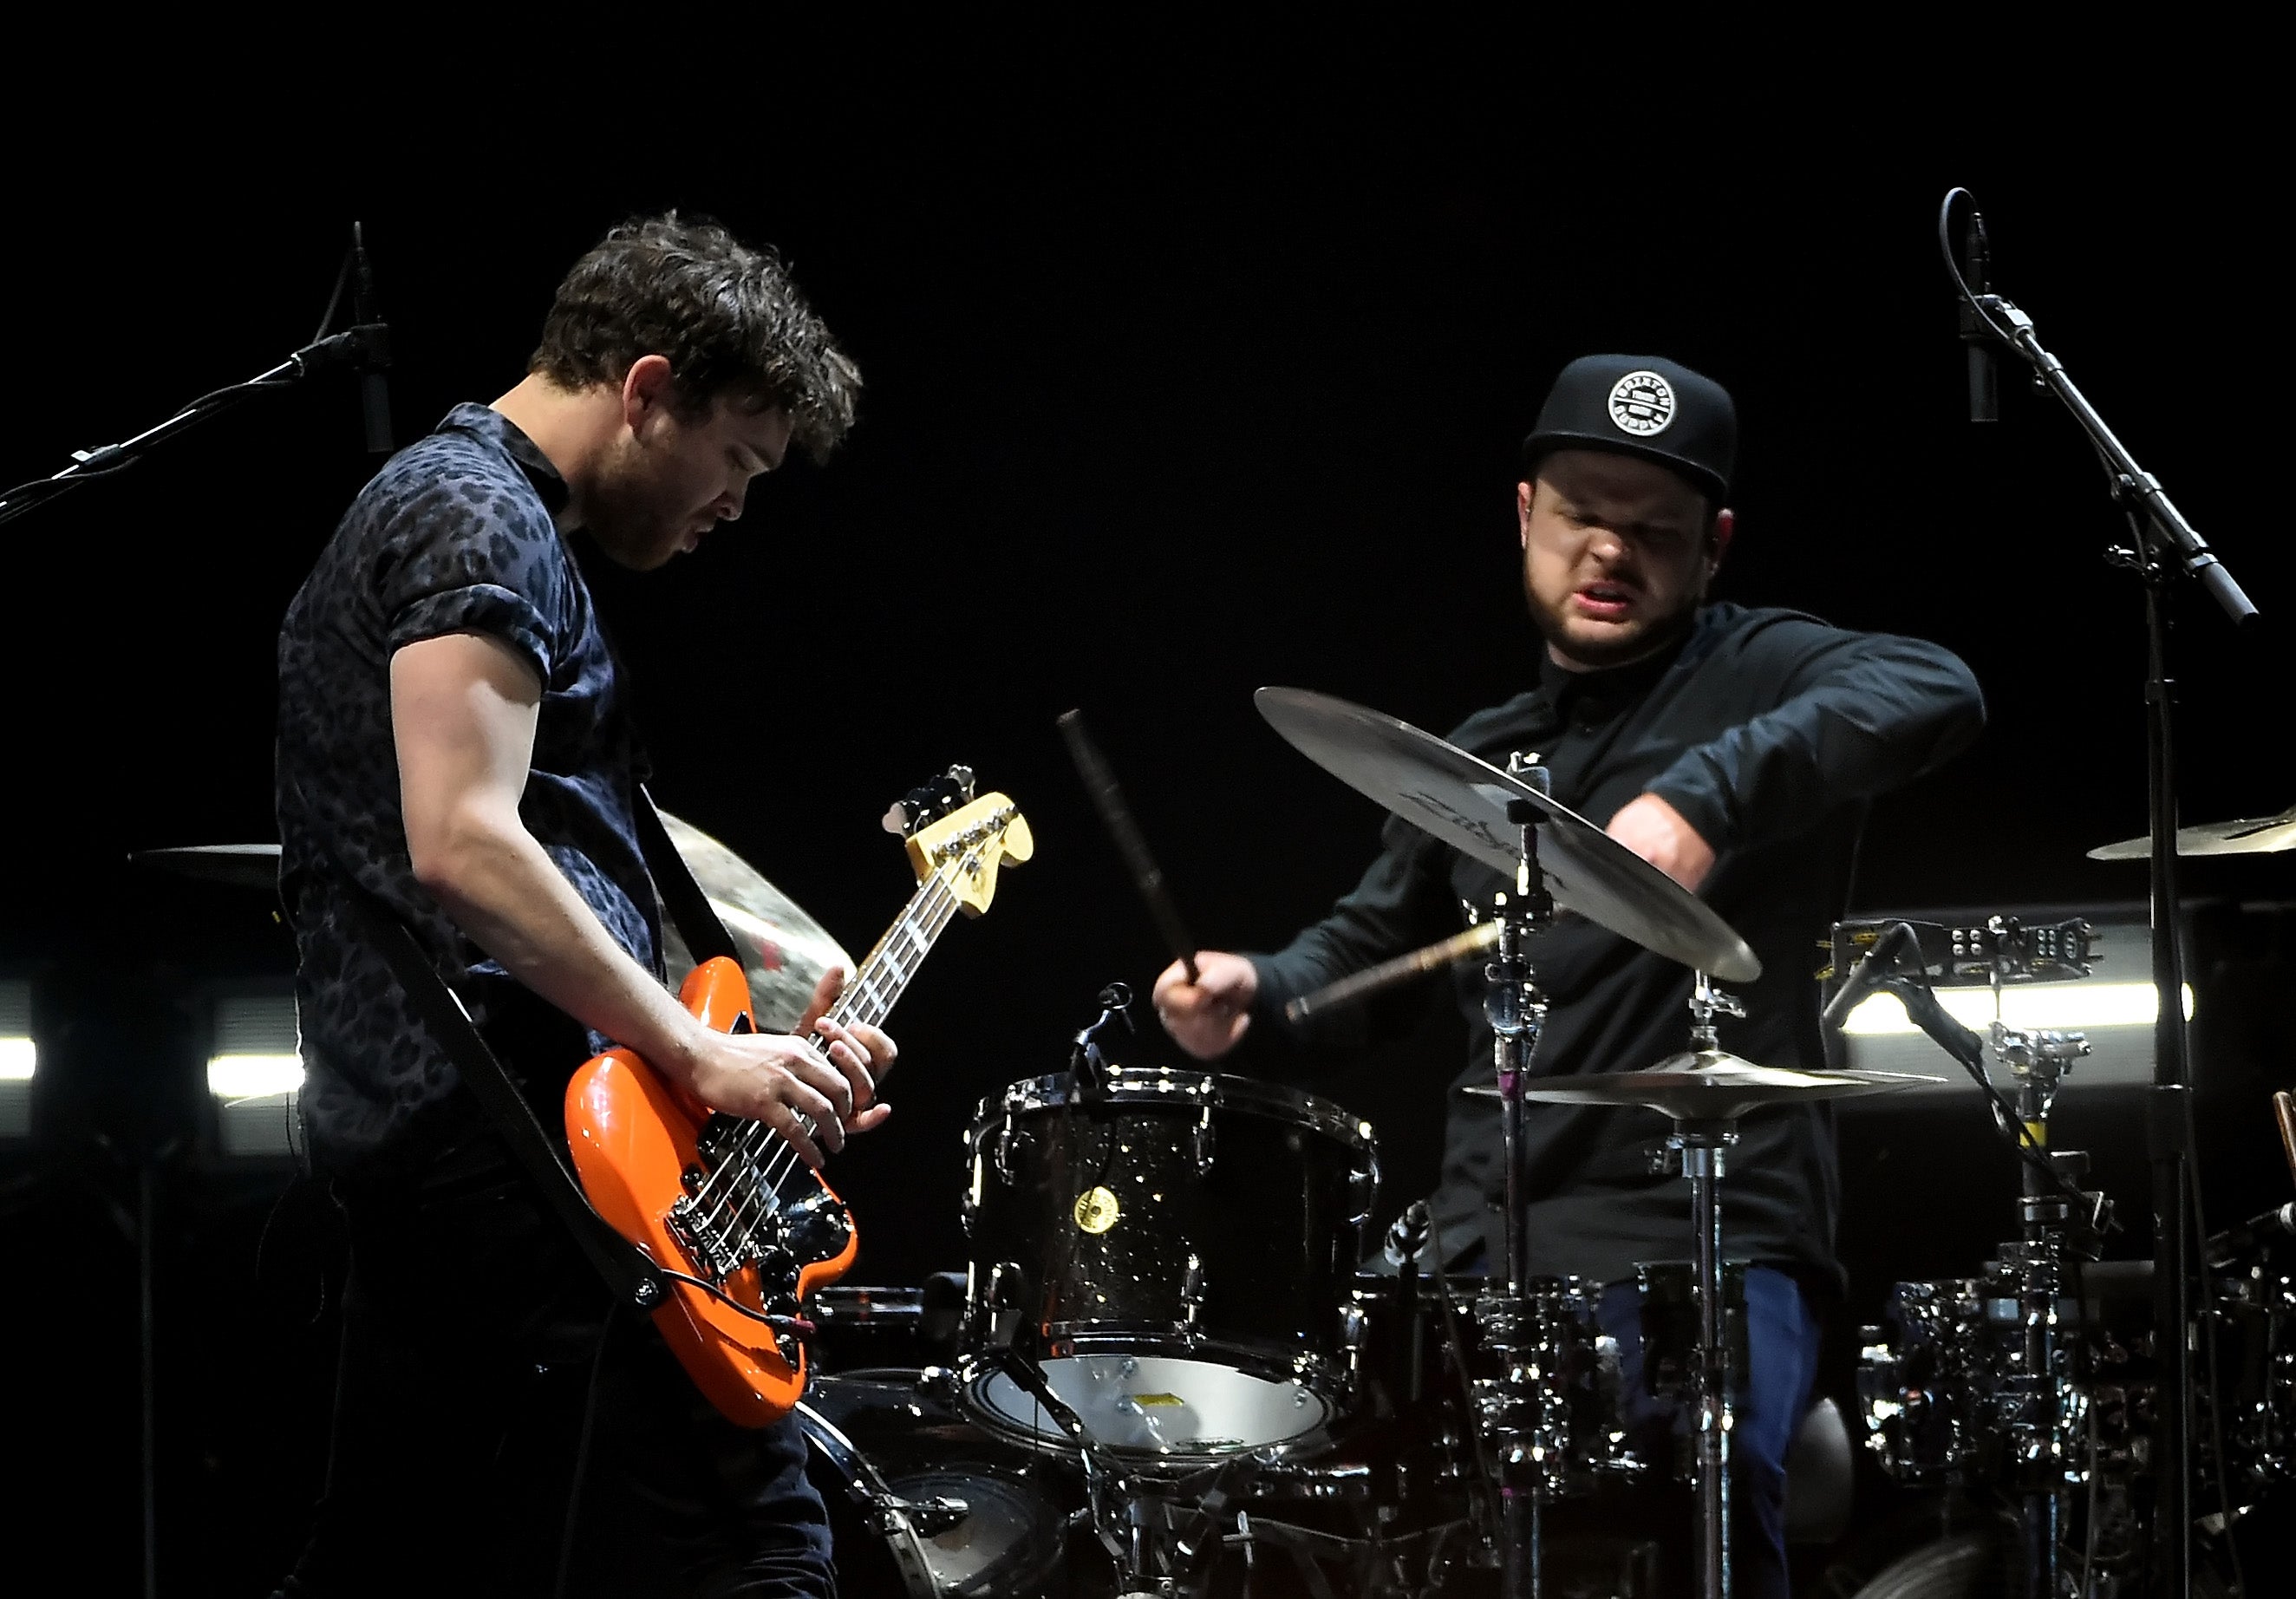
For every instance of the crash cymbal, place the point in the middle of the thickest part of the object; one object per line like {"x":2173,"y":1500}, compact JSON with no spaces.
{"x":1709,"y":1084}
{"x":784,"y":952}
{"x":1462,"y":800}
{"x":2259,"y":835}
{"x":233,"y":865}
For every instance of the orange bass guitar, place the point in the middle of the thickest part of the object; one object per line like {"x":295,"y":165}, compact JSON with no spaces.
{"x":724,"y":1202}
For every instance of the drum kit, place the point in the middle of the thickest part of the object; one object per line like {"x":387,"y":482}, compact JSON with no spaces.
{"x":1167,"y":1372}
{"x":1166,"y":1344}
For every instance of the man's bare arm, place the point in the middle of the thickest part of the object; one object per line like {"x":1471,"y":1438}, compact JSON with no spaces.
{"x":464,"y":712}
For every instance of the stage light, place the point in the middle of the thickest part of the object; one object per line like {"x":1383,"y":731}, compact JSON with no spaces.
{"x":248,"y":1077}
{"x":2114,"y":1005}
{"x":2075,"y":1006}
{"x":20,"y":1058}
{"x":256,"y":1075}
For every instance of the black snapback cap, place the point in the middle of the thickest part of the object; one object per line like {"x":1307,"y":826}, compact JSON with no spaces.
{"x":1644,"y":406}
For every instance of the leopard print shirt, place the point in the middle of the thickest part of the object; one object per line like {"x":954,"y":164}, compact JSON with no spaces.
{"x":454,"y":534}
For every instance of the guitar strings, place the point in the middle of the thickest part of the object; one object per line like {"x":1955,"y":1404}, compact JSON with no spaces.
{"x":759,"y":1138}
{"x":929,"y":913}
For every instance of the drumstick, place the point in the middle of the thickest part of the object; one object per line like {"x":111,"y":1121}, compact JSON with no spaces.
{"x":1458,"y":947}
{"x":2284,"y":1109}
{"x":1107,"y":798}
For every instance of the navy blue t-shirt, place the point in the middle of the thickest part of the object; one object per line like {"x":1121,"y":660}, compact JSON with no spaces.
{"x":454,"y":534}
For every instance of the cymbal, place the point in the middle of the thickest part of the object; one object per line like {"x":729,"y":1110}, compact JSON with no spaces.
{"x":784,"y":952}
{"x":1462,"y":800}
{"x":1709,"y":1084}
{"x":2259,"y":835}
{"x":233,"y":865}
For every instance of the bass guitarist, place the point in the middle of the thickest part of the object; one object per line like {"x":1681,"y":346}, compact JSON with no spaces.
{"x":456,"y":735}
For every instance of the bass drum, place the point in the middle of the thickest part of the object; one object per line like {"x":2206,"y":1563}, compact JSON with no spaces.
{"x":922,"y":1504}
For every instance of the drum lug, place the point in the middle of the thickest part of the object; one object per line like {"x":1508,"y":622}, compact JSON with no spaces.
{"x":1203,"y":1142}
{"x":1191,"y":1291}
{"x":1363,"y":1190}
{"x":1004,"y":1150}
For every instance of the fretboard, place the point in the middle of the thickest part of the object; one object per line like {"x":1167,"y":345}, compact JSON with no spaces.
{"x":869,"y":995}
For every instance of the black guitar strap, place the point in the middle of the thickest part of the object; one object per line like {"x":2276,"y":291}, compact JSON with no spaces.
{"x":628,"y":1272}
{"x":690,"y":911}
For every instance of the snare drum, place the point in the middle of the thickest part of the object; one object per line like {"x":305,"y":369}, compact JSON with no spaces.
{"x":1177,"y":1249}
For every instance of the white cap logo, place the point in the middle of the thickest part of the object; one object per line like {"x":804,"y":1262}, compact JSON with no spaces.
{"x":1642,"y":403}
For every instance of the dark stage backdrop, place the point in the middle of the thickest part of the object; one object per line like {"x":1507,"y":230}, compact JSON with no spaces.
{"x":1144,"y":429}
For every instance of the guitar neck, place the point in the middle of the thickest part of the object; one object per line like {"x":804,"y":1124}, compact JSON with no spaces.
{"x":869,"y":998}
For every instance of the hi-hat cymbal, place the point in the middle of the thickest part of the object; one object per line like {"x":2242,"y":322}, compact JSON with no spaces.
{"x":1707,"y":1085}
{"x":2258,"y":835}
{"x":784,"y":952}
{"x":1462,"y":800}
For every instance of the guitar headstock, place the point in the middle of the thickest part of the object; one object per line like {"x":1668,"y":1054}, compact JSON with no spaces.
{"x":962,"y":840}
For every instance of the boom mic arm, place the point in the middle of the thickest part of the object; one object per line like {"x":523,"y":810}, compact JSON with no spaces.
{"x":1878,"y":966}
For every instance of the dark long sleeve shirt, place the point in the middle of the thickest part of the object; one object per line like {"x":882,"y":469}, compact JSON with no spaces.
{"x":1770,"y":732}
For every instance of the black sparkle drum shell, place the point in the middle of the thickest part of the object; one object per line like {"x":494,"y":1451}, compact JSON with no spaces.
{"x":1171,"y":1216}
{"x":988,"y":1520}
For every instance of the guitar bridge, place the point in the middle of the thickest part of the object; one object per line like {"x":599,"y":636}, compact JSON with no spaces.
{"x":705,"y":1242}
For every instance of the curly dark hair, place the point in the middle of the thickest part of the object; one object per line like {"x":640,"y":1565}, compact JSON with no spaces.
{"x":728,"y":318}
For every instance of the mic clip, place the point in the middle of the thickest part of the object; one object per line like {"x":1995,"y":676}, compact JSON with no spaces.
{"x":1088,"y":1062}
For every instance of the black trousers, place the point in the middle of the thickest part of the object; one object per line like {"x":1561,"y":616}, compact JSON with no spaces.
{"x":501,"y":1428}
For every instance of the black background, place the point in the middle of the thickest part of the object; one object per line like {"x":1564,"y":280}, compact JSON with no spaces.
{"x":1178,"y":384}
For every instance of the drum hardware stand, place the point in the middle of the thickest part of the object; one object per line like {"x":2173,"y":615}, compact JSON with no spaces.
{"x":2046,"y":1413}
{"x":1514,"y":1409}
{"x":1701,"y":1144}
{"x":2163,"y":547}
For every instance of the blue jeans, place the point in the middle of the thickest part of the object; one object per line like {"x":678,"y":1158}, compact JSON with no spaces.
{"x":1770,"y":1398}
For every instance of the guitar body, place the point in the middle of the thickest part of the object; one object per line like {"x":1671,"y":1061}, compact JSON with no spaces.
{"x":636,"y":1138}
{"x":724,"y":1201}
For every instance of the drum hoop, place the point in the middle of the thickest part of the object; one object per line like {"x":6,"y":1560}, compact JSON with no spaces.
{"x":1162,"y":1085}
{"x":975,"y":1371}
{"x":1322,"y":1375}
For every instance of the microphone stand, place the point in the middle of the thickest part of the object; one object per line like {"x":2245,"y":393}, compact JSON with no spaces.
{"x":2164,"y":546}
{"x":365,"y":346}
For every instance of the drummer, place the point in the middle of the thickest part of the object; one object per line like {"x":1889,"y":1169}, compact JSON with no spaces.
{"x":1734,"y":749}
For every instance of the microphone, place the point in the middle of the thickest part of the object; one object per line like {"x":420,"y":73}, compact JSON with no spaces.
{"x":1984,"y":377}
{"x":1407,"y":1237}
{"x":1880,"y":963}
{"x":374,"y":389}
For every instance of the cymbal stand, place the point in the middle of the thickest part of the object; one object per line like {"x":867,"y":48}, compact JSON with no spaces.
{"x":2047,"y":1411}
{"x":1701,"y":1142}
{"x":1517,"y":1410}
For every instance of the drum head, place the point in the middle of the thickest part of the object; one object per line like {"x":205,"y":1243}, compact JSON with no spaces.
{"x":1153,"y":1405}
